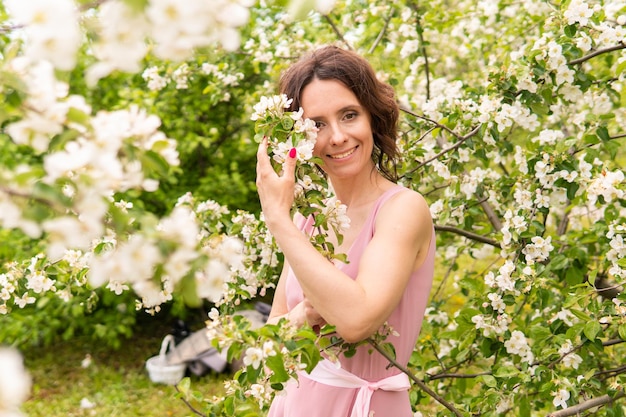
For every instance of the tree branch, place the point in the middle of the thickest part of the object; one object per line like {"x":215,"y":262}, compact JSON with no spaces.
{"x":420,"y":34}
{"x":379,"y":38}
{"x":611,"y":373}
{"x":26,"y":196}
{"x":460,"y":376}
{"x":9,"y":28}
{"x":426,"y":119}
{"x":450,"y":149}
{"x":620,"y":45}
{"x":417,"y":381}
{"x":472,"y":236}
{"x":613,"y":342}
{"x":188,"y":404}
{"x":337,"y":32}
{"x":491,"y":215}
{"x":586,"y":405}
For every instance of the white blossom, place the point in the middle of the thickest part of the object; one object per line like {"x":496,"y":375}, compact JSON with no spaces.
{"x":253,"y":357}
{"x":15,"y":382}
{"x":560,"y":398}
{"x":578,"y":12}
{"x":52,"y":30}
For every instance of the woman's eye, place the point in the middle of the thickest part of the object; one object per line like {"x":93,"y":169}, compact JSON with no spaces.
{"x":350,"y":116}
{"x":319,"y":125}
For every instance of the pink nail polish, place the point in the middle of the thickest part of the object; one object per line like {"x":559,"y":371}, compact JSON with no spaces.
{"x":292,"y":153}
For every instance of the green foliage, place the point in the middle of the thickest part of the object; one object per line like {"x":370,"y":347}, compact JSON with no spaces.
{"x":512,"y":128}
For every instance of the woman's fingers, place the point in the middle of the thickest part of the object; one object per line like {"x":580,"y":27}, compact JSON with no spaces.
{"x":262,"y":159}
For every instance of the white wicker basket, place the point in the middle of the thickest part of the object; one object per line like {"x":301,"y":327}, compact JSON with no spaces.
{"x":160,"y":371}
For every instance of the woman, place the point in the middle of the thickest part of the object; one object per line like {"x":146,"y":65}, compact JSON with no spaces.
{"x":390,"y":243}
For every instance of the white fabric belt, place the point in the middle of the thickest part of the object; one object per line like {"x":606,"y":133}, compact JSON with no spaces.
{"x":329,"y":373}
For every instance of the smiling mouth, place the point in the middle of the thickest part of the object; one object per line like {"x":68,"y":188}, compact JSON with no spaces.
{"x":342,"y":155}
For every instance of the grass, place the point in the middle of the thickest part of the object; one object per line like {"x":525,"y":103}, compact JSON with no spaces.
{"x":116,"y":382}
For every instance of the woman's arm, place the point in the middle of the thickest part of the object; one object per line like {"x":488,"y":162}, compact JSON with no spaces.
{"x":302,"y":313}
{"x":279,"y":303}
{"x":356,"y":307}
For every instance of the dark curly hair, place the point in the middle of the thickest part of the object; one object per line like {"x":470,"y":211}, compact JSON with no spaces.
{"x":356,"y":73}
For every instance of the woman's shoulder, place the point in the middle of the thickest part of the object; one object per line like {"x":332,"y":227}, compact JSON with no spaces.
{"x":404,"y":195}
{"x":405,"y":204}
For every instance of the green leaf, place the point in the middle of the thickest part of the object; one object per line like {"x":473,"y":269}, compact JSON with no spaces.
{"x":229,"y":405}
{"x":524,"y":407}
{"x":277,"y":365}
{"x":574,"y":276}
{"x":603,"y":133}
{"x":571,"y":190}
{"x":570,"y":31}
{"x":153,"y":163}
{"x":490,"y":381}
{"x":506,"y":371}
{"x":591,"y":329}
{"x":183,"y":386}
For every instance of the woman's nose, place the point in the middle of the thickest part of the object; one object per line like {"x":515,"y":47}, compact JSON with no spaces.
{"x":337,"y":135}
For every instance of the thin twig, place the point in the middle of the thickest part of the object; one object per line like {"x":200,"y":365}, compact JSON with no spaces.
{"x":417,"y":381}
{"x":337,"y":32}
{"x":379,"y":38}
{"x":472,"y":236}
{"x":450,"y":149}
{"x":611,"y":373}
{"x":188,"y":404}
{"x":612,"y":342}
{"x":9,"y":28}
{"x":460,"y":376}
{"x":620,"y":45}
{"x":26,"y":196}
{"x":439,"y":125}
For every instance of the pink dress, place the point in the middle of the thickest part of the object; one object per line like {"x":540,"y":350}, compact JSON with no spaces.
{"x":307,"y":398}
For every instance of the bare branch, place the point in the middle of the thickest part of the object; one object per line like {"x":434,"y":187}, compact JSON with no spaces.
{"x":491,"y":215}
{"x":443,"y":127}
{"x":459,"y":376}
{"x":450,"y":149}
{"x":613,"y":342}
{"x":563,"y":225}
{"x":337,"y":32}
{"x":586,"y":405}
{"x":472,"y":236}
{"x":379,"y":38}
{"x":611,"y":373}
{"x":620,"y":45}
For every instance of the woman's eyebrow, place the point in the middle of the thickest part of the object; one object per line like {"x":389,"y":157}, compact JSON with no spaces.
{"x":341,"y":110}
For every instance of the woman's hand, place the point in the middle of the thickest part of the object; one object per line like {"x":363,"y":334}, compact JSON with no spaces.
{"x":303,"y":313}
{"x":276,"y":192}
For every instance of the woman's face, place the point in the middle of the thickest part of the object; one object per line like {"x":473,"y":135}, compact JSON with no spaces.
{"x":344,"y":140}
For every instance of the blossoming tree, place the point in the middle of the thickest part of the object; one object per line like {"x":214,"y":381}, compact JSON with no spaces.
{"x":512,"y":128}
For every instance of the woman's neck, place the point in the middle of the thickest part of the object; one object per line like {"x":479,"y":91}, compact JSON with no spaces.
{"x":357,"y":191}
